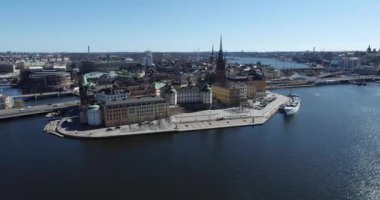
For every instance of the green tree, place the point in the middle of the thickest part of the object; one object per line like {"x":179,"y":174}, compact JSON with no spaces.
{"x":19,"y":103}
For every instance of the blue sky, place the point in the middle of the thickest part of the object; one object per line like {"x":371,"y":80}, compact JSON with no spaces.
{"x":186,"y":25}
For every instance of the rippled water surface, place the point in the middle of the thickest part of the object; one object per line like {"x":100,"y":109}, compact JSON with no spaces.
{"x":329,"y":150}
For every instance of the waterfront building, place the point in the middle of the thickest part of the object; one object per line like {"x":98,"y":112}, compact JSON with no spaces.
{"x":349,"y":63}
{"x":235,"y":92}
{"x":189,"y":94}
{"x":39,"y":78}
{"x":111,"y":95}
{"x":256,"y":88}
{"x":94,"y":115}
{"x":226,"y":95}
{"x":134,"y":110}
{"x":242,"y":86}
{"x":6,"y":102}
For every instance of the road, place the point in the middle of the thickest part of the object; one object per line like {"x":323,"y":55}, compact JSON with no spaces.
{"x":44,"y":94}
{"x":33,"y":110}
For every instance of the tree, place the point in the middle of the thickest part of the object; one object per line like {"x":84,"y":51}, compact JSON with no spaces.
{"x":19,"y":104}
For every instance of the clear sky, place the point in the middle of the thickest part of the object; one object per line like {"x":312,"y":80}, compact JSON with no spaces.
{"x":186,"y":25}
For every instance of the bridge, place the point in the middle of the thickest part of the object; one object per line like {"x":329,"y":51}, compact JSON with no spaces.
{"x":331,"y":74}
{"x":346,"y":79}
{"x":34,"y":110}
{"x":278,"y":84}
{"x":46,"y":94}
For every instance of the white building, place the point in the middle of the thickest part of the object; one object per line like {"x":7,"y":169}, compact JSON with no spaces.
{"x":147,"y":60}
{"x":187,"y":95}
{"x":112,"y":95}
{"x":242,"y":86}
{"x":6,"y":102}
{"x":346,"y":63}
{"x":170,"y":95}
{"x":94,"y":115}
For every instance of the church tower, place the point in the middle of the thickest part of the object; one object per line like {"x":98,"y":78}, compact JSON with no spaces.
{"x":220,"y":65}
{"x":369,"y":50}
{"x":212,"y":58}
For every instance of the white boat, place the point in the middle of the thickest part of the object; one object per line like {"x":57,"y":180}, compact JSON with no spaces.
{"x":293,"y":106}
{"x":52,"y":114}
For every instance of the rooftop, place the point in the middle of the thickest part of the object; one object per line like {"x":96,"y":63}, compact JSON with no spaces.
{"x":135,"y":101}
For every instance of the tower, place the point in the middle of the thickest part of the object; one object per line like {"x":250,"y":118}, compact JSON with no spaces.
{"x":220,"y":65}
{"x":369,"y":50}
{"x":212,"y":58}
{"x":88,"y":49}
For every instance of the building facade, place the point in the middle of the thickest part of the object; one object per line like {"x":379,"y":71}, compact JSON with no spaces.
{"x":94,"y":115}
{"x":6,"y":102}
{"x":226,"y":95}
{"x":112,"y":95}
{"x":188,"y":95}
{"x":136,"y":110}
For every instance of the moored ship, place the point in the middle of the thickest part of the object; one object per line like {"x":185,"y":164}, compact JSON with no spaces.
{"x":293,"y":106}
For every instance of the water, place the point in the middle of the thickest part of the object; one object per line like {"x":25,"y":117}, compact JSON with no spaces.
{"x":266,"y":61}
{"x":329,"y":150}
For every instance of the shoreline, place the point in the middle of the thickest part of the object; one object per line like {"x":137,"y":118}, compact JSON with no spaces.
{"x":181,"y":123}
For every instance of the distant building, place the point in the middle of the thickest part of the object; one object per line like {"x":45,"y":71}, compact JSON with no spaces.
{"x":147,"y":60}
{"x":104,"y":66}
{"x":349,"y":63}
{"x":6,"y":102}
{"x":39,"y":78}
{"x":366,"y":70}
{"x":369,"y":50}
{"x":6,"y":68}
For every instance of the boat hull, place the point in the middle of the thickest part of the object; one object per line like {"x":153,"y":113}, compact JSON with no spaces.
{"x":293,"y":106}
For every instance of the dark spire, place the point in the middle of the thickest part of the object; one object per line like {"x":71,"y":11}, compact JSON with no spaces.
{"x":221,"y":43}
{"x":220,"y":64}
{"x":220,"y":55}
{"x":212,"y":54}
{"x":369,"y":49}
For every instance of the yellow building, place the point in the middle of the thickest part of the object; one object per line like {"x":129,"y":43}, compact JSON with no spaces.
{"x":232,"y":94}
{"x":226,"y":95}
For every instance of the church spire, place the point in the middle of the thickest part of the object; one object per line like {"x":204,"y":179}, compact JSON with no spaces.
{"x":212,"y":54}
{"x":220,"y":65}
{"x":221,"y":43}
{"x":369,"y":49}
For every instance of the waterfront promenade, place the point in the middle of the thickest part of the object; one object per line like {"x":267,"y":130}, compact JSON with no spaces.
{"x":203,"y":120}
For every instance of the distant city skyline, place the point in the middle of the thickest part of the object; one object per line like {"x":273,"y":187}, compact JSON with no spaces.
{"x":185,"y":26}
